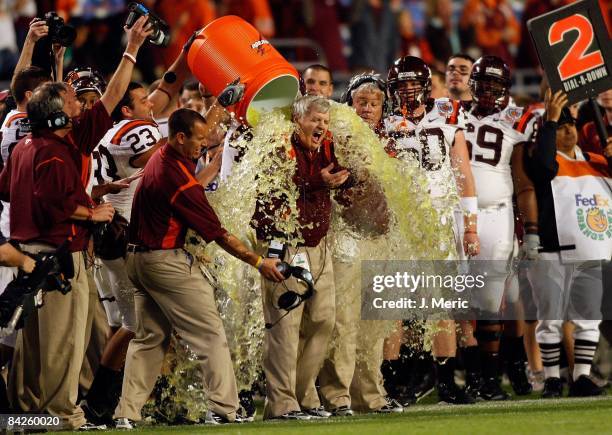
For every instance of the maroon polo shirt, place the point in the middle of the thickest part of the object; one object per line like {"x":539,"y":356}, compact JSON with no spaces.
{"x":45,"y":180}
{"x":43,"y":185}
{"x":168,"y":201}
{"x":314,"y":202}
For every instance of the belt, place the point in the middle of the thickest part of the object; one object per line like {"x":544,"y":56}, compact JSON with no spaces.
{"x":137,"y":248}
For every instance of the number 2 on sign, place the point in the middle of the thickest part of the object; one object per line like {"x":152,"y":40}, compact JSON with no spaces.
{"x":575,"y":61}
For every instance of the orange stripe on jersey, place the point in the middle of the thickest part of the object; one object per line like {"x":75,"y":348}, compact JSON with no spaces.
{"x":116,"y":140}
{"x":597,"y":166}
{"x":174,"y":229}
{"x":521,"y":125}
{"x":455,"y":115}
{"x":14,"y":118}
{"x":48,"y":161}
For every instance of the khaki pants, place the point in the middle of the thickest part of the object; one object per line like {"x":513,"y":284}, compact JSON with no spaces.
{"x":295,"y":348}
{"x":351,"y":374}
{"x":49,"y":352}
{"x":171,"y":293}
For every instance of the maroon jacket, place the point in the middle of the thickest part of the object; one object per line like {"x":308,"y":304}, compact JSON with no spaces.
{"x":314,"y":202}
{"x":169,"y":200}
{"x":45,"y":178}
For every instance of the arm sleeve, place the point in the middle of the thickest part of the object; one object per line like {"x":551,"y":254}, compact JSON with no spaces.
{"x":89,"y":128}
{"x":193,"y":207}
{"x":543,"y":158}
{"x":55,"y":189}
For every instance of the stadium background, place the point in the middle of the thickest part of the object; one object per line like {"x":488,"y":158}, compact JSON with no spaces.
{"x":346,"y":35}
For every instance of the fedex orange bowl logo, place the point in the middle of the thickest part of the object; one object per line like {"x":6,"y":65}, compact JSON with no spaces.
{"x":594,"y":214}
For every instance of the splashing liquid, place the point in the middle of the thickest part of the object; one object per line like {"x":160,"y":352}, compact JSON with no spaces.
{"x":404,"y":227}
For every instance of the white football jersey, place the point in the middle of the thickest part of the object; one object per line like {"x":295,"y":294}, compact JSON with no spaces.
{"x":429,"y":142}
{"x":491,"y":140}
{"x":114,"y":155}
{"x":11,"y":133}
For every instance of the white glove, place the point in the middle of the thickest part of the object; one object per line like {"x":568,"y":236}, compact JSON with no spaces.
{"x":530,"y":246}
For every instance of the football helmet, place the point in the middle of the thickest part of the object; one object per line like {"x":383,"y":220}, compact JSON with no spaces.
{"x":490,"y":84}
{"x":86,"y":80}
{"x":408,"y":84}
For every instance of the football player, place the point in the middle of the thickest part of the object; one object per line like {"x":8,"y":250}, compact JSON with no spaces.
{"x":494,"y":127}
{"x":431,"y":132}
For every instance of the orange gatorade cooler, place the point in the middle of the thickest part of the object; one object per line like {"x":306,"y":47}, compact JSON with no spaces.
{"x":229,"y":48}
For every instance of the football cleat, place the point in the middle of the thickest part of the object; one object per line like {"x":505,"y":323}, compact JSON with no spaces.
{"x":553,"y":388}
{"x":585,"y":387}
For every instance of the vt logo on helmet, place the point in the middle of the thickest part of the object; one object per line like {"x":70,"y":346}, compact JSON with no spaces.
{"x":408,"y":84}
{"x":490,"y":84}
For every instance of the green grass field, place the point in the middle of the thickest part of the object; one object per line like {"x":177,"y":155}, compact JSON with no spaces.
{"x":529,"y":417}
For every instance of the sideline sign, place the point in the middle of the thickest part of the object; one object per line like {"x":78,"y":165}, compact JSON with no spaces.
{"x":575,"y":49}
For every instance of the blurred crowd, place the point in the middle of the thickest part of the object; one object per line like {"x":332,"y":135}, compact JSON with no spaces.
{"x":353,"y":35}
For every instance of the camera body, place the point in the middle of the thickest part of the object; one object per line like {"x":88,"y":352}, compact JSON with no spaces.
{"x":59,"y":31}
{"x":161,"y":34}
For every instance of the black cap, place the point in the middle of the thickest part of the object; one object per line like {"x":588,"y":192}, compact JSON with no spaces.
{"x":566,"y":117}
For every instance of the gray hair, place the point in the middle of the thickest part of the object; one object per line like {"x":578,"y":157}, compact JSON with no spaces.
{"x":46,"y":99}
{"x":369,"y":87}
{"x":303,"y":105}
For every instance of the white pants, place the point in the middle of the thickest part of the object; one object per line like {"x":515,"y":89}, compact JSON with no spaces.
{"x":497,"y":245}
{"x":566,"y":292}
{"x":112,"y":280}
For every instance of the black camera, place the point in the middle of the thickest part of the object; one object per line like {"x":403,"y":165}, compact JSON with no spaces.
{"x":59,"y":32}
{"x":160,"y":35}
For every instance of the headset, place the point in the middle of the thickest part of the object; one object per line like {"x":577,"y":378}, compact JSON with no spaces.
{"x":359,"y":80}
{"x":54,"y":121}
{"x":290,"y":300}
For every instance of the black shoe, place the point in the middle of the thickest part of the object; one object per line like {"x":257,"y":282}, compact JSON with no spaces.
{"x":453,"y":395}
{"x":293,"y":415}
{"x":585,"y":387}
{"x":491,"y":390}
{"x":91,"y":426}
{"x":214,"y":418}
{"x":342,"y":411}
{"x":419,"y":388}
{"x":473,"y":384}
{"x":317,"y":413}
{"x":553,"y":388}
{"x":94,"y":416}
{"x":517,"y":374}
{"x":248,"y":405}
{"x":392,"y":406}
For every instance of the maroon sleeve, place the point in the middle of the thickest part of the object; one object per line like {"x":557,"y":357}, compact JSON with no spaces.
{"x":56,"y":186}
{"x":90,"y":127}
{"x":193,"y":207}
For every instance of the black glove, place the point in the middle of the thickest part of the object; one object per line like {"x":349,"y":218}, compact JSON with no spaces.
{"x":232,"y":94}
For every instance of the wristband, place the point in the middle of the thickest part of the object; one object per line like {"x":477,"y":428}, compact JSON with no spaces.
{"x":129,"y":57}
{"x":259,"y":263}
{"x":469,"y":204}
{"x":470,"y":232}
{"x":160,"y":89}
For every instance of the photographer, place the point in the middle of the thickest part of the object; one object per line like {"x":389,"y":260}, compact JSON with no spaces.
{"x":45,"y":182}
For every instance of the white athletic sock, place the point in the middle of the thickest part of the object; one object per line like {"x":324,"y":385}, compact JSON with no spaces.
{"x":584,"y":350}
{"x":551,"y":353}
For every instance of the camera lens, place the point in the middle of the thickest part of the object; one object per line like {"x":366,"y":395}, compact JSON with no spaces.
{"x":66,"y":35}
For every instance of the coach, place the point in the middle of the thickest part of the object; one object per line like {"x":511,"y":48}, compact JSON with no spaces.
{"x":171,"y":292}
{"x":45,"y":183}
{"x":295,"y":348}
